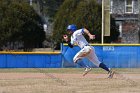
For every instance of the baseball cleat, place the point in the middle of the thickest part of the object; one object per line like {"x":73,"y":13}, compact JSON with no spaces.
{"x":111,"y":74}
{"x":87,"y":70}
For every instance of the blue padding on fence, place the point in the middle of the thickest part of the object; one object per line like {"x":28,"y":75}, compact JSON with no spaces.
{"x":69,"y":53}
{"x":138,"y":57}
{"x":112,"y":56}
{"x":18,"y":61}
{"x":36,"y":61}
{"x":3,"y":60}
{"x":30,"y":60}
{"x":56,"y":60}
{"x":122,"y":56}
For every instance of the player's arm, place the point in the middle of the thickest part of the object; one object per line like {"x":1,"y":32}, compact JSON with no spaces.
{"x":68,"y":41}
{"x":88,"y":33}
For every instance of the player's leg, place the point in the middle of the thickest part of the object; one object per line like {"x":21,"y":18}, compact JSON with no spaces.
{"x":78,"y":60}
{"x":93,"y":58}
{"x":81,"y":54}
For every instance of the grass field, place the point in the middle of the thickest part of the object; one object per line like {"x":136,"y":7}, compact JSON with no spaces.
{"x":68,"y":80}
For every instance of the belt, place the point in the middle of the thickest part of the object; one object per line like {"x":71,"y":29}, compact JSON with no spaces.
{"x":85,"y":45}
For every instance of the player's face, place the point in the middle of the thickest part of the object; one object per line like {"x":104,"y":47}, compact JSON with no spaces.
{"x":70,"y":32}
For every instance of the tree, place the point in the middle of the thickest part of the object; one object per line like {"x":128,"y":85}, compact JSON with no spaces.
{"x":51,"y":7}
{"x":20,"y":23}
{"x":63,"y":18}
{"x":114,"y":32}
{"x":83,"y":13}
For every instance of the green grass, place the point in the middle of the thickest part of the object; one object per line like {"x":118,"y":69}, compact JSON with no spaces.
{"x":67,"y":70}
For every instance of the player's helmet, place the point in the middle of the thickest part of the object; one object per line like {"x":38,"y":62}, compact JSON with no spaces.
{"x":72,"y":27}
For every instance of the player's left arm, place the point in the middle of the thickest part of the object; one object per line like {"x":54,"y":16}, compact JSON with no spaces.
{"x":89,"y":34}
{"x":68,"y":41}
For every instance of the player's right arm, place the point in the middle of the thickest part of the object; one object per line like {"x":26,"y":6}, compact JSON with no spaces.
{"x":84,"y":31}
{"x":91,"y":37}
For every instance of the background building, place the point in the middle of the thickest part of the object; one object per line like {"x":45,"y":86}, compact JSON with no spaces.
{"x":126,"y":14}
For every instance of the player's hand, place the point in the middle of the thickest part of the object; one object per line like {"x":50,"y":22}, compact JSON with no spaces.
{"x":65,"y":38}
{"x":91,"y":37}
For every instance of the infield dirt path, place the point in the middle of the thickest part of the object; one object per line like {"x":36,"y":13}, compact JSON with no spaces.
{"x":51,"y":75}
{"x":68,"y":83}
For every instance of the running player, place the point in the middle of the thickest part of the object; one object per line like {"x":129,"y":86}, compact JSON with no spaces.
{"x":86,"y":50}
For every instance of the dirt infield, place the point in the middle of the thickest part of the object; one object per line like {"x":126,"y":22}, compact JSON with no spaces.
{"x":68,"y":83}
{"x":63,"y":76}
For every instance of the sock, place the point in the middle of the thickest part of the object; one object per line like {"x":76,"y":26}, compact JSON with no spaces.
{"x":103,"y":66}
{"x":81,"y":64}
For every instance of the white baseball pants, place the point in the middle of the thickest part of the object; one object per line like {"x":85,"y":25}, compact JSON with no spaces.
{"x":89,"y":53}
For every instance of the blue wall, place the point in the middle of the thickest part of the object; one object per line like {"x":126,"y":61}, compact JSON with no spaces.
{"x":113,"y":56}
{"x":30,"y":60}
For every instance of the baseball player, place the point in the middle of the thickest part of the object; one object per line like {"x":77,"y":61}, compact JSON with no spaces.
{"x":86,"y":50}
